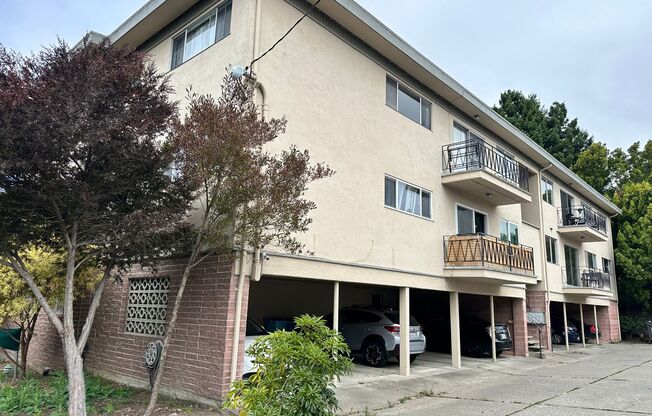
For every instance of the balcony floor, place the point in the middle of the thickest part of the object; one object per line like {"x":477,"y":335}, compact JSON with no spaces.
{"x":582,"y":234}
{"x":479,"y":273}
{"x":487,"y":186}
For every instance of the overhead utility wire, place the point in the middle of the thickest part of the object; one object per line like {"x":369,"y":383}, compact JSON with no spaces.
{"x":286,"y":34}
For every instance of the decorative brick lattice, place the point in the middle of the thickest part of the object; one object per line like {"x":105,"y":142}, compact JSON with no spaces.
{"x":147,"y":306}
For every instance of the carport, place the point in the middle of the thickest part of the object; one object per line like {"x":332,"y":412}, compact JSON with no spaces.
{"x":580,"y":314}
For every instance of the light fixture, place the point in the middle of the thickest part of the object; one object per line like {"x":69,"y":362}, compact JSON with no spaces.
{"x":489,"y":194}
{"x":237,"y":72}
{"x":476,"y":117}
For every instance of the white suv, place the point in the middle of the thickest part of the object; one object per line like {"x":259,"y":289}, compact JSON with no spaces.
{"x":375,"y":334}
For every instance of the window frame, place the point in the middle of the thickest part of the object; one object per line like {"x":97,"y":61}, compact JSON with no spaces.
{"x":396,"y":205}
{"x":551,"y":243}
{"x":509,"y":224}
{"x":609,"y":262}
{"x":590,"y":255}
{"x":198,"y":21}
{"x":398,"y":85}
{"x":475,"y":211}
{"x":548,"y":181}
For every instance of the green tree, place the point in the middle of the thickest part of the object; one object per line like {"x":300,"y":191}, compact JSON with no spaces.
{"x":19,"y":308}
{"x":592,"y":165}
{"x":295,"y":372}
{"x":633,"y":249}
{"x":550,"y":128}
{"x":618,"y":169}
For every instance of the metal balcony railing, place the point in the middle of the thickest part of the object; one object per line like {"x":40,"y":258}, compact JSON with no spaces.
{"x":476,"y":154}
{"x":586,"y":277}
{"x":486,"y":251}
{"x":582,"y":215}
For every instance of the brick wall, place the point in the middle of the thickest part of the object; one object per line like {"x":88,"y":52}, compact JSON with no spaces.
{"x":198,"y":363}
{"x":614,"y":320}
{"x":520,"y":333}
{"x":609,"y":323}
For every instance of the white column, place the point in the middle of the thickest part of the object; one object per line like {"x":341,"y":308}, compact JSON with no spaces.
{"x":493,"y":328}
{"x":595,"y":319}
{"x":582,"y":325}
{"x":404,"y":322}
{"x":456,"y":352}
{"x":566,"y":328}
{"x":336,"y":306}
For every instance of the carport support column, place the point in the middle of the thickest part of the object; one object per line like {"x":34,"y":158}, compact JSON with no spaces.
{"x":456,"y":352}
{"x":582,"y":325}
{"x":336,"y":306}
{"x":404,"y":321}
{"x":595,"y":319}
{"x":493,"y":328}
{"x":566,"y":328}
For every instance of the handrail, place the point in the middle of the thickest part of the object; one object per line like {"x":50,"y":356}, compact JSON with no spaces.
{"x":586,"y":277}
{"x":482,"y":250}
{"x":582,"y":215}
{"x":477,"y":154}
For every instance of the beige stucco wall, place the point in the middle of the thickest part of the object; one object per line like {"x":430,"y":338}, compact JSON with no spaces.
{"x":334,"y":99}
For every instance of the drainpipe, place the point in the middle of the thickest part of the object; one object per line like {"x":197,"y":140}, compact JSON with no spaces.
{"x":237,"y":318}
{"x":241,"y":276}
{"x":544,"y":262}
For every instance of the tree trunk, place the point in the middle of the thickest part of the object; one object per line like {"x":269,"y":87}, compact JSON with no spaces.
{"x":75,"y":370}
{"x":168,"y":335}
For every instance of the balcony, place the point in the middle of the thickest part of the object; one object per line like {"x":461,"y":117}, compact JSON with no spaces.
{"x":477,"y":168}
{"x":582,"y":224}
{"x":484,"y":256}
{"x":585,"y":281}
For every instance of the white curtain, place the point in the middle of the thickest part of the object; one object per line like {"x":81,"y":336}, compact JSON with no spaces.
{"x":200,"y":38}
{"x":409,"y":199}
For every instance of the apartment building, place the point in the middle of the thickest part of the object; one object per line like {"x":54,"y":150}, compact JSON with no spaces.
{"x":439,"y":208}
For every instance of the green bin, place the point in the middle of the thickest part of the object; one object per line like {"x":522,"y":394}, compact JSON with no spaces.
{"x":9,"y":339}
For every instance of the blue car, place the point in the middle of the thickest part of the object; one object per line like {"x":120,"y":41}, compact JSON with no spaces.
{"x":558,"y":332}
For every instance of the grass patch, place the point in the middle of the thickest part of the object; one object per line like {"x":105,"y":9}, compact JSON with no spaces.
{"x":49,"y":395}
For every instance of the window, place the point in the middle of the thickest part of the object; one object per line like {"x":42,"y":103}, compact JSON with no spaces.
{"x":546,"y":190}
{"x":214,"y":27}
{"x":591,"y":261}
{"x":470,"y":221}
{"x":606,"y":265}
{"x":407,"y":198}
{"x":408,"y":103}
{"x":147,"y":306}
{"x":551,"y":250}
{"x":508,"y":231}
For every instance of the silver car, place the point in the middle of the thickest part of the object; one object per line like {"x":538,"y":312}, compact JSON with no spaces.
{"x":375,"y":334}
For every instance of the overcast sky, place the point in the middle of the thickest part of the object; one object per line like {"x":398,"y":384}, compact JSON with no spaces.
{"x":595,"y":55}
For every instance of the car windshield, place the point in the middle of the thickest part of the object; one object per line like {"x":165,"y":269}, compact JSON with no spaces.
{"x":254,"y":330}
{"x":395,"y":317}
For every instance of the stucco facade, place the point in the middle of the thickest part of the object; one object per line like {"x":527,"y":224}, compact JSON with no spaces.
{"x":329,"y":78}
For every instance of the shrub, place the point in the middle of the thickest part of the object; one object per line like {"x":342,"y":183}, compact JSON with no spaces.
{"x":632,"y":325}
{"x":296,"y":372}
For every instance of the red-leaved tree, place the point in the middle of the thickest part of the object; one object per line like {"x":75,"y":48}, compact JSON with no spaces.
{"x":83,"y":172}
{"x":247,"y":198}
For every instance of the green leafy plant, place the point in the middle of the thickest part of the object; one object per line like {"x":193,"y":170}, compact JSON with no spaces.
{"x":34,"y":396}
{"x":631,"y":325}
{"x":296,"y":372}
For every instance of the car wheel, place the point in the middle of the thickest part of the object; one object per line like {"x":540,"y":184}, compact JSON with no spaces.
{"x":374,"y":353}
{"x":498,"y":353}
{"x":475,"y":349}
{"x":413,"y":357}
{"x":557,"y":339}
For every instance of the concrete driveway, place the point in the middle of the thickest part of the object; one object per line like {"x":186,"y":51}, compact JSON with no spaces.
{"x":597,"y":380}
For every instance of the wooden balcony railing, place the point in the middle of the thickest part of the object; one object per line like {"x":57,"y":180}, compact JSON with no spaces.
{"x":486,"y":251}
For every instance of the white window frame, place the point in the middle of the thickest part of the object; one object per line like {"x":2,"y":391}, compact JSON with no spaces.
{"x":192,"y":25}
{"x":610,"y":272}
{"x":553,"y":244}
{"x":596,"y":266}
{"x":396,"y":205}
{"x":552,"y":190}
{"x":510,"y":223}
{"x":457,"y":223}
{"x":411,"y":91}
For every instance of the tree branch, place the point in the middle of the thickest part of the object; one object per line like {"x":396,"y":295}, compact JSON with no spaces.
{"x":95,"y":303}
{"x":18,"y":265}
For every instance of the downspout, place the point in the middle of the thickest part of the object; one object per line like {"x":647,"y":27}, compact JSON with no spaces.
{"x":241,"y":275}
{"x":544,"y":261}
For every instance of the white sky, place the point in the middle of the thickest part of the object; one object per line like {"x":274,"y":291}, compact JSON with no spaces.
{"x":595,"y":55}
